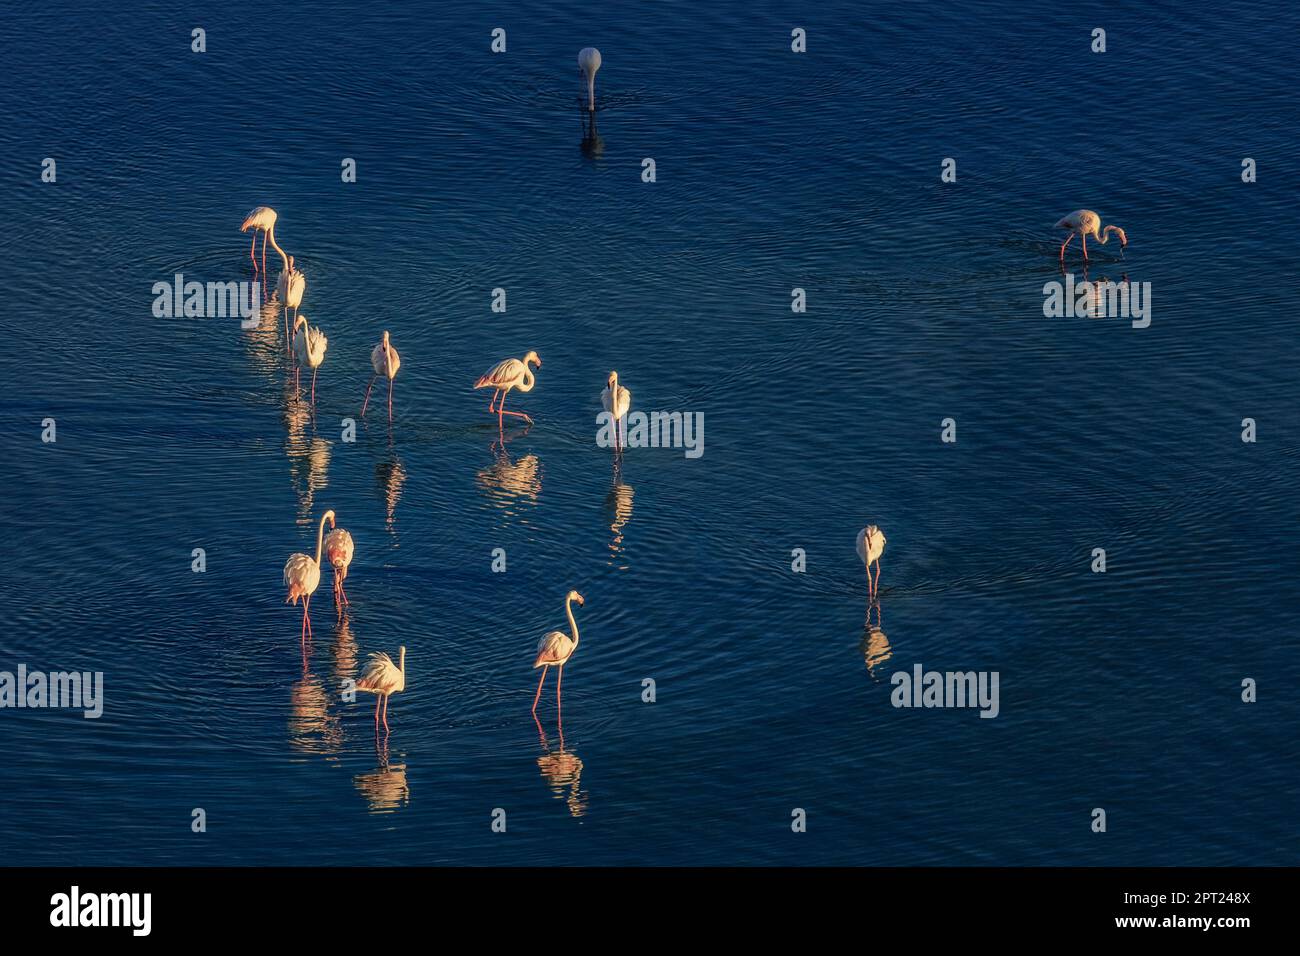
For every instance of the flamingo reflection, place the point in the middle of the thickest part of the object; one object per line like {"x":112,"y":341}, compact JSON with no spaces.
{"x":874,"y":645}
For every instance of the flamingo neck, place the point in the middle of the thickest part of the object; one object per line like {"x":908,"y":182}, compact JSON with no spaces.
{"x":527,"y":384}
{"x":401,"y":661}
{"x":270,"y":234}
{"x":320,"y":537}
{"x":1105,"y":235}
{"x":388,"y":358}
{"x":591,"y":92}
{"x":573,"y":625}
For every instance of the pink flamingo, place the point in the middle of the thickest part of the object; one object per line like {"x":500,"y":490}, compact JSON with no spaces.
{"x":502,"y":377}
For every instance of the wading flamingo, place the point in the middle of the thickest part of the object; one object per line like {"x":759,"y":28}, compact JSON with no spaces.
{"x":502,"y":377}
{"x":383,"y":679}
{"x":302,"y":575}
{"x":1085,"y":223}
{"x":588,"y":64}
{"x":385,"y":361}
{"x":871,"y":545}
{"x":262,"y":219}
{"x":290,"y":287}
{"x":309,"y":344}
{"x":616,"y":400}
{"x":555,"y":649}
{"x":338,"y":552}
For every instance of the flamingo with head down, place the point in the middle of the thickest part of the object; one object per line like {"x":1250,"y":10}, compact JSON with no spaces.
{"x":1085,"y":223}
{"x":262,"y":219}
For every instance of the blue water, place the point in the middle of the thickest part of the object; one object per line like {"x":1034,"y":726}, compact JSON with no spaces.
{"x":775,"y":170}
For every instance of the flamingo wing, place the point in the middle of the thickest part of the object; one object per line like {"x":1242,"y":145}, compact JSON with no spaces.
{"x":381,"y":675}
{"x":339,"y":548}
{"x":301,"y":577}
{"x":261,"y":217}
{"x":553,"y":648}
{"x":502,"y":375}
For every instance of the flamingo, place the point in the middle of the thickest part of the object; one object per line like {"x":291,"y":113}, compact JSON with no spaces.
{"x":383,"y":678}
{"x":290,"y":287}
{"x":338,"y":551}
{"x":385,"y":361}
{"x":617,"y":400}
{"x":871,"y":545}
{"x":262,"y":219}
{"x":588,"y":64}
{"x":1084,"y":223}
{"x":502,"y":377}
{"x":555,"y":649}
{"x":302,"y":575}
{"x":310,"y":345}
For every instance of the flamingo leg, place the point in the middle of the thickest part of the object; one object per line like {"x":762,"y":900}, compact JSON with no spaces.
{"x":252,"y":253}
{"x":313,"y":388}
{"x":390,"y":399}
{"x":545,"y":668}
{"x":1085,"y":247}
{"x":875,"y":586}
{"x":1068,"y":240}
{"x":385,"y":713}
{"x":367,"y":401}
{"x":502,"y":411}
{"x":263,"y":250}
{"x":492,"y":403}
{"x":559,"y":679}
{"x":377,"y":713}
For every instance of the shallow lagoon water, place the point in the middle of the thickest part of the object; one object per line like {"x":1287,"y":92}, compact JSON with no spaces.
{"x":774,"y":171}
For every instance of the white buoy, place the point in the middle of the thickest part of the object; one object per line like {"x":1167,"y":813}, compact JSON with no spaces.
{"x":589,"y":63}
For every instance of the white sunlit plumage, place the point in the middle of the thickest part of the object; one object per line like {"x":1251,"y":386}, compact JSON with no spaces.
{"x":290,"y":288}
{"x":1085,"y":223}
{"x":309,"y":345}
{"x":616,"y":400}
{"x":871,"y":545}
{"x":302,"y":575}
{"x":502,"y":377}
{"x":554,"y":650}
{"x":383,"y":678}
{"x":262,"y":219}
{"x":385,"y":361}
{"x":338,"y":552}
